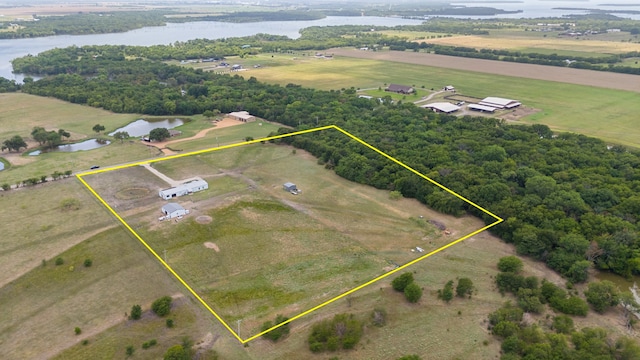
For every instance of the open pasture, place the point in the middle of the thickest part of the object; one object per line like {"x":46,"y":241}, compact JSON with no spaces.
{"x":266,"y":251}
{"x":591,"y":110}
{"x":552,"y":42}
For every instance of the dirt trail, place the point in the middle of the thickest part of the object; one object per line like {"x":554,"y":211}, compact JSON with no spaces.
{"x":602,"y":79}
{"x":226,"y":122}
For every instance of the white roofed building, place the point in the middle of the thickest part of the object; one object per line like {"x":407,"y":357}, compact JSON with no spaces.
{"x":186,"y":188}
{"x":442,"y":107}
{"x":499,"y":103}
{"x":173,"y":210}
{"x":243,"y":116}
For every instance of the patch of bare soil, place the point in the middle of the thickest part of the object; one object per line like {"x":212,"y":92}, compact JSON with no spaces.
{"x":204,"y":219}
{"x":518,"y":113}
{"x":602,"y":79}
{"x":210,"y":245}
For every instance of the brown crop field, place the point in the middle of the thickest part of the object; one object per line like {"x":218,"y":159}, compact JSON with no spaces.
{"x":529,"y":71}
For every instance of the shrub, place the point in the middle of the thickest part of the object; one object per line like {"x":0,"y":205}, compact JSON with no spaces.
{"x":413,"y":293}
{"x":59,"y":261}
{"x":77,"y":330}
{"x":275,"y":334}
{"x":510,"y":264}
{"x":169,"y":323}
{"x":343,"y":331}
{"x":70,"y":204}
{"x":402,"y":281}
{"x":162,"y":306}
{"x":129,"y":350}
{"x":136,"y":312}
{"x":446,"y":293}
{"x":563,"y":324}
{"x":464,"y":288}
{"x":88,"y":262}
{"x":148,"y":344}
{"x":379,"y":317}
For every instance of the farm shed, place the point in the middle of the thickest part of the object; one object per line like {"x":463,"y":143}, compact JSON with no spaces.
{"x":289,"y":187}
{"x":499,"y":103}
{"x":400,"y":89}
{"x":442,"y":107}
{"x":173,"y":210}
{"x":449,"y":88}
{"x":482,"y":108}
{"x":243,"y":116}
{"x":184,"y":189}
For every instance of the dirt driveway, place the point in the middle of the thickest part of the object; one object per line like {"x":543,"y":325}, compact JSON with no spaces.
{"x":602,"y":79}
{"x":226,"y":122}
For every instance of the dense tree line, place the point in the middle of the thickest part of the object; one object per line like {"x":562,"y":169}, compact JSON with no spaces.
{"x":568,"y":200}
{"x":89,"y":23}
{"x":7,"y":85}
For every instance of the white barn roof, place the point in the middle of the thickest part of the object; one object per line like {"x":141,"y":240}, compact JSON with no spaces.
{"x":171,"y":207}
{"x":498,"y":102}
{"x":444,"y":107}
{"x":481,"y":107}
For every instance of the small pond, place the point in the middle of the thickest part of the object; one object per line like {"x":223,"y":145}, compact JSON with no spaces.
{"x":81,"y":146}
{"x":1,"y":166}
{"x":142,"y":127}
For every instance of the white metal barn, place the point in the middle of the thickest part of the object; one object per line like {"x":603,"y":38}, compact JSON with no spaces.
{"x":173,"y":210}
{"x":184,"y":189}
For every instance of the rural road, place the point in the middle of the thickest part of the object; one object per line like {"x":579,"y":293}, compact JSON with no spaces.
{"x":602,"y":79}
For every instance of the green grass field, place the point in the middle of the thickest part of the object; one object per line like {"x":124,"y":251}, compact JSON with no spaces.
{"x":604,"y":113}
{"x":280,"y":253}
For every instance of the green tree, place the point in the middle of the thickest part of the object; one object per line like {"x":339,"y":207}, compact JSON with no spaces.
{"x":563,"y":324}
{"x":529,"y":300}
{"x":401,"y":282}
{"x":278,"y":333}
{"x":98,"y":128}
{"x":464,"y":287}
{"x":136,"y":312}
{"x":413,"y":292}
{"x":64,"y":134}
{"x":579,"y":271}
{"x":159,"y":134}
{"x":602,"y":295}
{"x":510,"y":264}
{"x":121,"y":135}
{"x":177,"y":352}
{"x":208,"y":114}
{"x":162,"y":306}
{"x":410,"y":357}
{"x":15,"y":143}
{"x":446,"y":293}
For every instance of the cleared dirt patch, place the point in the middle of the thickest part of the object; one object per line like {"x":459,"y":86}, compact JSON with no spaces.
{"x":530,"y":71}
{"x":204,"y":219}
{"x":132,"y":193}
{"x":210,"y":245}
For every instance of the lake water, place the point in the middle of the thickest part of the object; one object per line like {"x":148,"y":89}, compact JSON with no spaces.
{"x":549,"y":8}
{"x":172,"y":32}
{"x":1,"y":166}
{"x":143,"y":127}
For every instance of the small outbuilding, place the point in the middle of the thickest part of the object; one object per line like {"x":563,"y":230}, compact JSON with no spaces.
{"x":290,"y":187}
{"x":482,"y":108}
{"x":173,"y":210}
{"x":243,"y":116}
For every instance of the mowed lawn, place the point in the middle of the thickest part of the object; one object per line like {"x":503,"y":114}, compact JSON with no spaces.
{"x":603,"y":113}
{"x":276,"y":252}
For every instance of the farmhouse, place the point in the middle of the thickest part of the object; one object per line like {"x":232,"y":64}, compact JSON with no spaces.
{"x":184,"y":189}
{"x":499,"y":103}
{"x":173,"y":210}
{"x":400,"y":89}
{"x":442,"y":107}
{"x":242,"y":116}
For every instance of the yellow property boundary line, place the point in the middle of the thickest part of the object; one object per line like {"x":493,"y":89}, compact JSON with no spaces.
{"x":334,"y":127}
